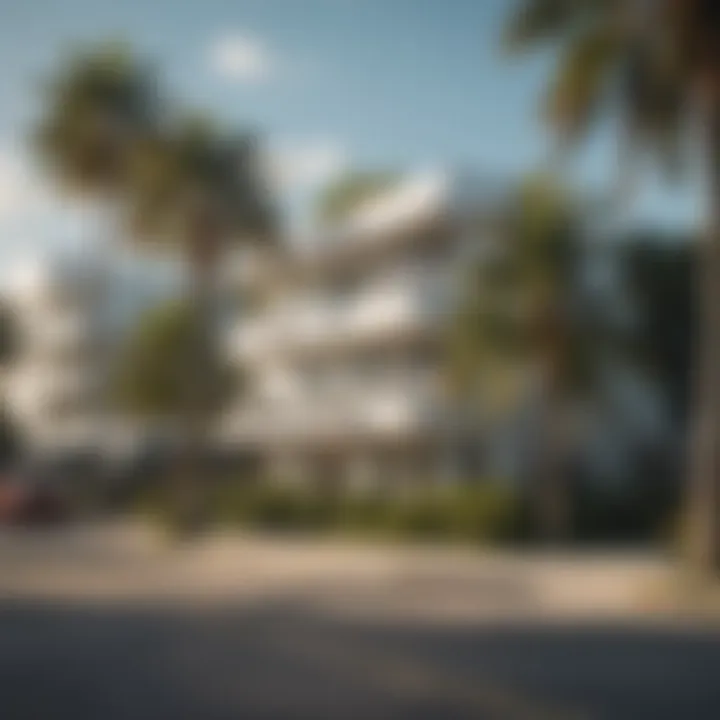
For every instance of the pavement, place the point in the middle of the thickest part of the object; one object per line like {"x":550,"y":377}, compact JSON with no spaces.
{"x":113,"y":623}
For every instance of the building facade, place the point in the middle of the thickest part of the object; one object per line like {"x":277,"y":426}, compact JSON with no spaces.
{"x":343,"y":351}
{"x":56,"y":379}
{"x":71,"y":314}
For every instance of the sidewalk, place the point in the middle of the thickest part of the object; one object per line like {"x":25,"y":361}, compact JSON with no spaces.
{"x":397,"y":582}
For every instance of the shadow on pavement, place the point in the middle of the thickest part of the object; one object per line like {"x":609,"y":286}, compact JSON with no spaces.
{"x":283,"y":660}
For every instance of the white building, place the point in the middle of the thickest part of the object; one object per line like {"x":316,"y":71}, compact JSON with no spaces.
{"x":71,"y":312}
{"x":55,"y":384}
{"x":342,"y":356}
{"x":341,"y":346}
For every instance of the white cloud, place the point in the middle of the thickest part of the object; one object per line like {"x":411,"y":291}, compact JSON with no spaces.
{"x":26,"y":191}
{"x":242,"y":58}
{"x":33,"y":216}
{"x":309,"y":164}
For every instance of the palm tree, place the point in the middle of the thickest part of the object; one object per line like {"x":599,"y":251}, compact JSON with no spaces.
{"x":525,"y":329}
{"x":177,"y":184}
{"x":97,"y":107}
{"x":199,"y":191}
{"x":658,"y":65}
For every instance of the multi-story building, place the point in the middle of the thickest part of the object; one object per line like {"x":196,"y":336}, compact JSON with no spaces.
{"x":55,"y":383}
{"x":70,"y":314}
{"x":340,"y":340}
{"x":342,"y":353}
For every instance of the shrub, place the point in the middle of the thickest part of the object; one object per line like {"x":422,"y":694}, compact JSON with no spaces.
{"x":485,"y":512}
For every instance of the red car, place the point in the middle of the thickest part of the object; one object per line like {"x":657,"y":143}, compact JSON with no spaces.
{"x":27,"y":504}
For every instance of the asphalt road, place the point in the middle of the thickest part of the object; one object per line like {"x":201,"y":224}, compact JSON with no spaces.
{"x":280,"y":654}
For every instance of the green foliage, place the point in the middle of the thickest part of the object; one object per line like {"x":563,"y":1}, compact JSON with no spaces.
{"x":108,"y":131}
{"x":636,"y":59}
{"x":274,"y":508}
{"x":346,"y":194}
{"x":192,"y":183}
{"x":98,"y":105}
{"x":156,"y":367}
{"x":483,"y":512}
{"x":537,"y":20}
{"x":515,"y":308}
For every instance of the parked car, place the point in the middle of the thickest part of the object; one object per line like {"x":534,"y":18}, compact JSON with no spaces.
{"x":28,"y":503}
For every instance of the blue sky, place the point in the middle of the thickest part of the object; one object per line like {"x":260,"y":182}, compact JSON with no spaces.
{"x":401,"y":84}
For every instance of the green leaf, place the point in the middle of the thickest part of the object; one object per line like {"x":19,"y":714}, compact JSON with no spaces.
{"x":582,"y":78}
{"x":536,"y":21}
{"x":157,"y":367}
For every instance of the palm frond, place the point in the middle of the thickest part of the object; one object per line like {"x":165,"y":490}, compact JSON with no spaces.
{"x":536,"y":21}
{"x":582,"y":78}
{"x":190,"y":175}
{"x":97,"y":107}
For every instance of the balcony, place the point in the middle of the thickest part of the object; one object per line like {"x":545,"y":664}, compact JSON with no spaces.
{"x":367,"y":415}
{"x":59,"y":333}
{"x":385,"y":310}
{"x":35,"y":388}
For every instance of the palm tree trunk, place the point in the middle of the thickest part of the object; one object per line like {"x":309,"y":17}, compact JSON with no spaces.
{"x":552,"y":502}
{"x":202,"y":266}
{"x":551,"y":485}
{"x":704,"y":471}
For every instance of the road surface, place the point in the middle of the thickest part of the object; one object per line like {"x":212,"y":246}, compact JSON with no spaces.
{"x":272,"y":630}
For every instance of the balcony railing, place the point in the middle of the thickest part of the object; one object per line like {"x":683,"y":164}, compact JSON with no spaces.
{"x":384,"y":310}
{"x":384,"y":415}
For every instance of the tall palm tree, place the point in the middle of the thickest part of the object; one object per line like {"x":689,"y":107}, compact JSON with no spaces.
{"x":199,"y":192}
{"x":657,"y":64}
{"x":525,"y":329}
{"x":177,"y":183}
{"x":97,"y":106}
